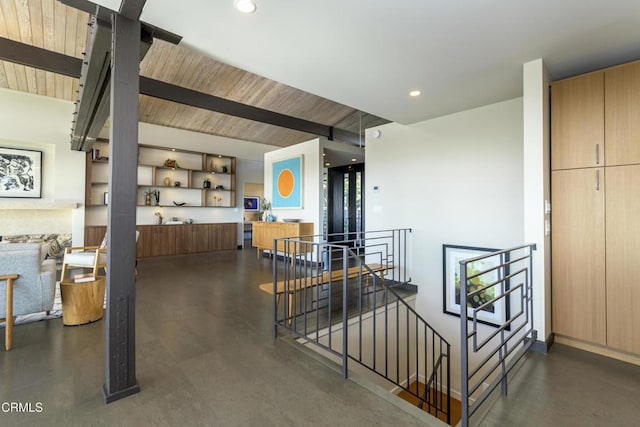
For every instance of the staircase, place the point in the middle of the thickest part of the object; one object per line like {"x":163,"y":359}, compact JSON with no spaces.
{"x":419,"y":388}
{"x":349,"y":298}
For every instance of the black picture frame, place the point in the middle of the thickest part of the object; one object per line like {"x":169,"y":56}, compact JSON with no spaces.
{"x":451,"y":257}
{"x":20,"y":173}
{"x":251,"y":203}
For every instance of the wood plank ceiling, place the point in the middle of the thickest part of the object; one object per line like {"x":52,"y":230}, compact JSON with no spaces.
{"x":51,"y":25}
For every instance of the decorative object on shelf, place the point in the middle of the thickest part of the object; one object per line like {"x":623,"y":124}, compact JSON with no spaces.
{"x":225,"y":169}
{"x":206,"y":183}
{"x":291,"y":219}
{"x":492,"y":314}
{"x":104,"y":158}
{"x":218,"y":200}
{"x":287,"y":183}
{"x":20,"y":173}
{"x":95,"y":153}
{"x":156,"y":195}
{"x":147,"y":196}
{"x":176,"y":184}
{"x":167,"y":181}
{"x":188,"y":221}
{"x":219,"y":187}
{"x":271,"y":218}
{"x":171,"y":163}
{"x":159,"y":215}
{"x":179,"y":204}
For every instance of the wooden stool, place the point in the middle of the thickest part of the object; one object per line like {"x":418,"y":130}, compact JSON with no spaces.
{"x":82,"y":302}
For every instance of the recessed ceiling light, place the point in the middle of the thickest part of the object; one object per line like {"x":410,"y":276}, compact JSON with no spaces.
{"x":245,"y":6}
{"x":354,"y":160}
{"x":324,"y":154}
{"x":327,"y":164}
{"x":415,"y":93}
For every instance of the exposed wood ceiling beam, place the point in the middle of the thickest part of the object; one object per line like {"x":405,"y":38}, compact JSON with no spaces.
{"x":43,"y":59}
{"x":70,"y":66}
{"x":181,"y":95}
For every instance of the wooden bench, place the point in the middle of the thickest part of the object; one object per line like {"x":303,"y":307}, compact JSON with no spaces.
{"x":300,"y":283}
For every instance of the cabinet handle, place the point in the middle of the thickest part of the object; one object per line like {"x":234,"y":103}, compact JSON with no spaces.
{"x":597,"y":180}
{"x":597,"y":154}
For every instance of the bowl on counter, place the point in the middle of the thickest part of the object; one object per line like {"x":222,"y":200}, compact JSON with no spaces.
{"x":291,"y":219}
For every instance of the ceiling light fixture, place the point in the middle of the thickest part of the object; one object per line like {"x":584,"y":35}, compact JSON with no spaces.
{"x":414,"y":93}
{"x":354,"y":160}
{"x":327,"y":164}
{"x":245,"y":6}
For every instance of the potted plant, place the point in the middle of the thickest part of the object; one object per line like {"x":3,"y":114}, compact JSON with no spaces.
{"x":265,"y":206}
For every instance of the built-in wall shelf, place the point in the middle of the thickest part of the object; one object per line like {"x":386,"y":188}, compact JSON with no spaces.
{"x":203,"y":179}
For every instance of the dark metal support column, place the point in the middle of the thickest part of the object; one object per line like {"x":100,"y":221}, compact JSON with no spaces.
{"x":120,"y":366}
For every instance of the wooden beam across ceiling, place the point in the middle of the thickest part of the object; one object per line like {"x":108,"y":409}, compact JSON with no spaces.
{"x":24,"y":54}
{"x":43,"y":59}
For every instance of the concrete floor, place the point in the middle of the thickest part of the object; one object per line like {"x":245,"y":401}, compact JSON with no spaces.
{"x":206,"y":356}
{"x":570,"y":387}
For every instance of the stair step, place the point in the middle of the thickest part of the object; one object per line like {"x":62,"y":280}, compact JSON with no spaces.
{"x":456,"y":406}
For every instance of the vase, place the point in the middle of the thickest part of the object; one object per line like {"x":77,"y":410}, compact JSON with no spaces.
{"x":147,"y":199}
{"x":265,"y":215}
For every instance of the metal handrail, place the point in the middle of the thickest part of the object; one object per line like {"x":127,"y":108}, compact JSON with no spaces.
{"x":514,"y":334}
{"x":329,"y":290}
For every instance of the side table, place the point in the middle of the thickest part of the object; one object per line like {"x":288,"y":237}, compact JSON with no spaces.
{"x":82,"y":302}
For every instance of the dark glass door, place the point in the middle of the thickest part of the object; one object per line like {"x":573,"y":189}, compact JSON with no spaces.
{"x":345,"y":213}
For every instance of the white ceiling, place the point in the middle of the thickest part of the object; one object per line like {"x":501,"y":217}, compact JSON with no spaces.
{"x":368,"y":54}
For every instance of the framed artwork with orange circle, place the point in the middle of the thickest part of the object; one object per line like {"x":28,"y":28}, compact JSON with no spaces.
{"x":287,"y":183}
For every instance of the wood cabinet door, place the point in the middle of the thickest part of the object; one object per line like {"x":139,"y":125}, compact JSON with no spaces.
{"x":223,"y":237}
{"x":577,"y":122}
{"x":623,"y":257}
{"x":145,"y":241}
{"x":184,"y":239}
{"x":578,"y":254}
{"x":622,"y":115}
{"x":200,"y":237}
{"x":163,"y":240}
{"x":93,"y":235}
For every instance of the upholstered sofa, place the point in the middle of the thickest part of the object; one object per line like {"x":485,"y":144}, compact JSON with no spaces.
{"x":34,"y":289}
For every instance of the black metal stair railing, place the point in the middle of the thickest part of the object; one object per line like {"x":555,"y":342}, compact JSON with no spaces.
{"x":489,"y":353}
{"x":348,"y":298}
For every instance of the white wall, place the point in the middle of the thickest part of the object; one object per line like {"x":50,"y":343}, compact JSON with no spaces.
{"x":40,"y":123}
{"x":455,"y":179}
{"x":537,"y":187}
{"x":312,"y":182}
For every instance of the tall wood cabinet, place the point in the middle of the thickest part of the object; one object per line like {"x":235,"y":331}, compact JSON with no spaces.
{"x":622,"y":115}
{"x":578,"y":247}
{"x":577,"y":118}
{"x":623,"y":257}
{"x":595,"y":183}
